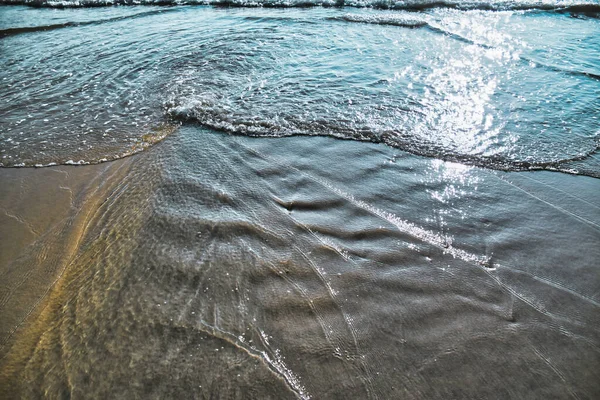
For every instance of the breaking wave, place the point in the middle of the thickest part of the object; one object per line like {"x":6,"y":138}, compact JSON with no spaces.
{"x":547,"y":5}
{"x":389,"y":19}
{"x":217,"y":118}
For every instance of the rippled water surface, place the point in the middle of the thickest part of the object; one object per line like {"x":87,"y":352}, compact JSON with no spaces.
{"x":247,"y":253}
{"x":506,"y":89}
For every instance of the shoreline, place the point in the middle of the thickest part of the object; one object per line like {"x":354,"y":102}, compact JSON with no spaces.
{"x":423,"y":221}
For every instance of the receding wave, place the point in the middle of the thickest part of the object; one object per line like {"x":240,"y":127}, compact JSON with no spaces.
{"x":565,"y":5}
{"x":216,"y":118}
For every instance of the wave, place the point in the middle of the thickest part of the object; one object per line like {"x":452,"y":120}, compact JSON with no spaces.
{"x":416,"y":21}
{"x":390,"y":19}
{"x":591,"y":6}
{"x":215,"y":118}
{"x":70,"y":24}
{"x":115,"y":92}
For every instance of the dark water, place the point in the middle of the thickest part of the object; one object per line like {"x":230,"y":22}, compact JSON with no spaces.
{"x":432,"y":264}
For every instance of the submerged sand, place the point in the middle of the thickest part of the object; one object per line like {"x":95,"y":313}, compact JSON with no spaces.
{"x":232,"y":267}
{"x":45,"y":214}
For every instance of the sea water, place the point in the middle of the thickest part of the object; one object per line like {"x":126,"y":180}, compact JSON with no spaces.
{"x":446,"y":248}
{"x":514,"y":90}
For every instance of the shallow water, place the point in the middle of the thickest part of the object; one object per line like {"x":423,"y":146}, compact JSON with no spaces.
{"x":295,"y":265}
{"x":315,"y":268}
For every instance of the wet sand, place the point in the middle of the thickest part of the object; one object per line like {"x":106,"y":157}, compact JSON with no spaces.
{"x":45,"y":214}
{"x":232,"y":267}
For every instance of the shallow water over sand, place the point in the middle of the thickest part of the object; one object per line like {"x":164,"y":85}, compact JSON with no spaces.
{"x":433,"y":264}
{"x":310,"y":267}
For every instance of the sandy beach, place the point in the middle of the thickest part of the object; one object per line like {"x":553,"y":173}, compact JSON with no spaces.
{"x":45,"y":215}
{"x":300,"y":199}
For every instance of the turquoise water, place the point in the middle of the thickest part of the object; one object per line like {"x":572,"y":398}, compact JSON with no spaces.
{"x":512,"y":90}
